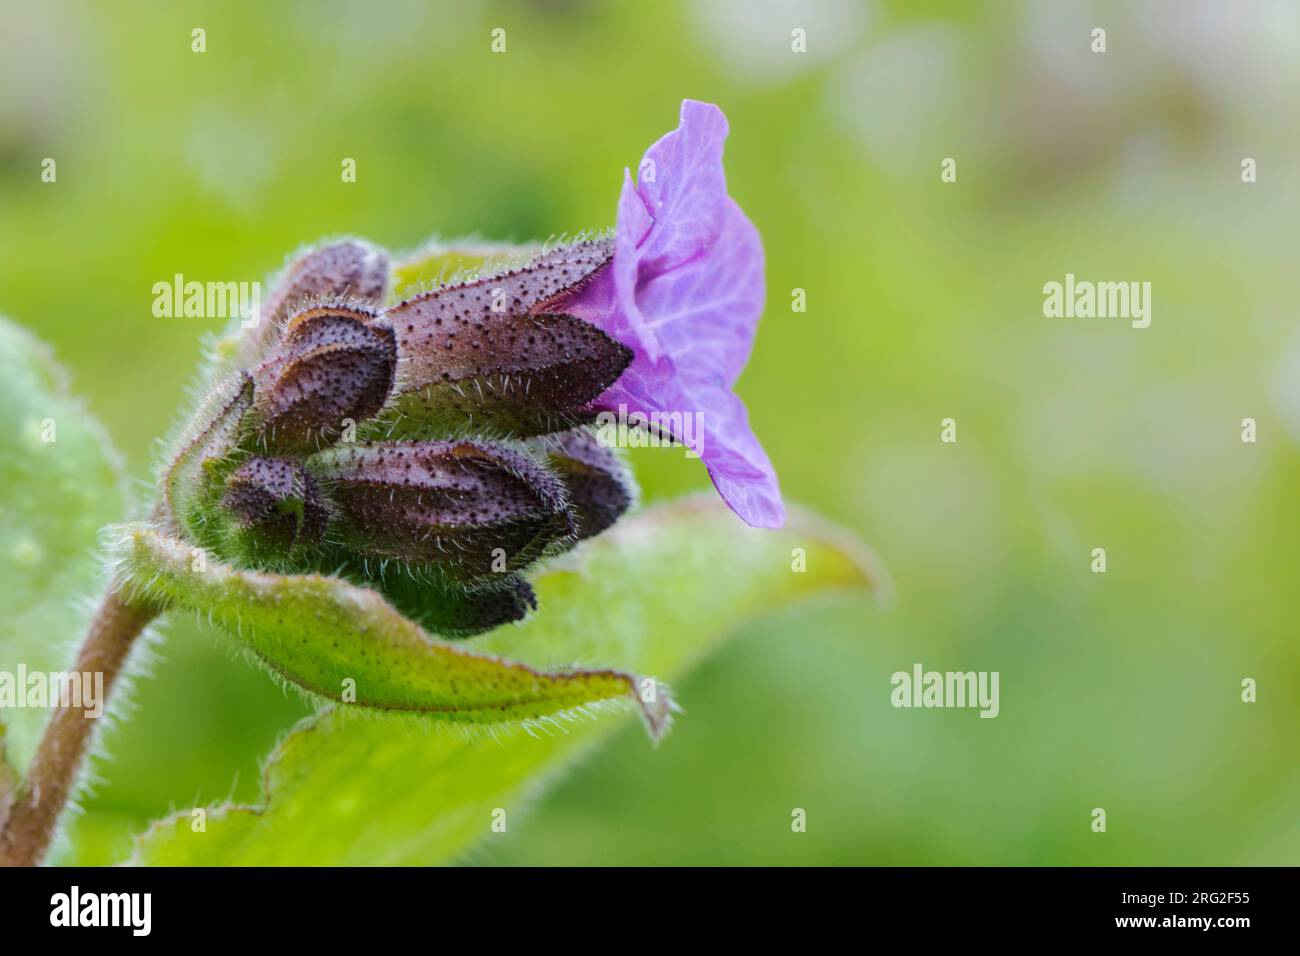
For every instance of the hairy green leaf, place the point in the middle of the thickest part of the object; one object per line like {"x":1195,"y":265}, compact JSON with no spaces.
{"x":60,"y":481}
{"x":347,"y":644}
{"x":654,"y":595}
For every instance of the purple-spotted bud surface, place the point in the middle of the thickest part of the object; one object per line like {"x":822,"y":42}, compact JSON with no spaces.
{"x":470,"y":508}
{"x":488,"y":356}
{"x":335,"y":365}
{"x":277,"y":506}
{"x":598,"y":484}
{"x":350,"y":269}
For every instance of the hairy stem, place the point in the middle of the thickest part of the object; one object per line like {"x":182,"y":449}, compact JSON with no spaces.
{"x":8,"y":782}
{"x":40,"y":799}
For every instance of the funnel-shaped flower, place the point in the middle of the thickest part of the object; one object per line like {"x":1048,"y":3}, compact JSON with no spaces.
{"x":438,"y":447}
{"x":685,"y":291}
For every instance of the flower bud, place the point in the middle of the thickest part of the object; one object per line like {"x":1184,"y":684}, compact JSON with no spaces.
{"x":487,"y":354}
{"x":599,"y":486}
{"x":351,"y":270}
{"x":277,"y":506}
{"x":469,"y":508}
{"x":454,"y":611}
{"x":333,"y":364}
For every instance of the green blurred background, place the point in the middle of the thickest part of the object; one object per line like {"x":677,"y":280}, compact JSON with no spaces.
{"x":924,"y":302}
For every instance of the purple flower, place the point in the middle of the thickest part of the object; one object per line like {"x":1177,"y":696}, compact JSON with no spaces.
{"x":685,"y":291}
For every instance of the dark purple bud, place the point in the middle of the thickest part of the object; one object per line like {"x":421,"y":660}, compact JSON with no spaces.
{"x":335,"y":365}
{"x":486,"y":354}
{"x":598,"y":482}
{"x":350,"y":270}
{"x":276,"y":504}
{"x":470,"y":508}
{"x":455,"y":611}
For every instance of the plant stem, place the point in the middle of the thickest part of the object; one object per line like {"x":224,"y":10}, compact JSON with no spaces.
{"x":41,"y":797}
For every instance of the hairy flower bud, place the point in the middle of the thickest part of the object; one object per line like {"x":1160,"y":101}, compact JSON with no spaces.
{"x":351,"y":269}
{"x":470,"y":508}
{"x":334,"y":364}
{"x":277,"y":506}
{"x":455,"y":611}
{"x":598,"y":483}
{"x":487,"y":354}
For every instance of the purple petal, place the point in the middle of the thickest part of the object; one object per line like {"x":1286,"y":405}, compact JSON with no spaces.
{"x":685,"y":291}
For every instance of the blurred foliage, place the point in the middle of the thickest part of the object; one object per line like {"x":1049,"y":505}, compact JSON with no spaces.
{"x":60,"y":482}
{"x":924,"y":301}
{"x":428,"y":792}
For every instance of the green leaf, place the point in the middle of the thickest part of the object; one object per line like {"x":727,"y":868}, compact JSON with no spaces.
{"x":654,"y":595}
{"x":186,"y":484}
{"x":347,"y":644}
{"x":60,"y":482}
